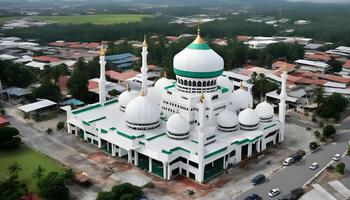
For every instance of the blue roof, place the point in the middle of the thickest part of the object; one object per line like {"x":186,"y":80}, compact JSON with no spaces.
{"x":118,"y":56}
{"x":126,"y":60}
{"x":74,"y":102}
{"x":124,"y":65}
{"x":16,"y":91}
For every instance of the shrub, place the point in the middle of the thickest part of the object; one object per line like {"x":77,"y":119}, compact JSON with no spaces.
{"x":125,"y":189}
{"x":340,"y":168}
{"x":328,"y":131}
{"x":106,"y":196}
{"x":313,"y":145}
{"x":9,"y":138}
{"x":321,"y":124}
{"x":52,"y":187}
{"x":323,"y":139}
{"x":60,"y":125}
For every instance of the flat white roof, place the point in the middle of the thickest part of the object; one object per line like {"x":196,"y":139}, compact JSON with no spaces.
{"x":37,"y":105}
{"x":273,"y":94}
{"x":36,"y":65}
{"x":334,"y":84}
{"x":7,"y":57}
{"x":329,"y":91}
{"x":312,"y":63}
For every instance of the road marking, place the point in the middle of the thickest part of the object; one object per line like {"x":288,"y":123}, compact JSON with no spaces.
{"x":338,"y":186}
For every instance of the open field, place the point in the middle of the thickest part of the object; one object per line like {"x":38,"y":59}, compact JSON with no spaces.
{"x":29,"y":160}
{"x":83,"y":19}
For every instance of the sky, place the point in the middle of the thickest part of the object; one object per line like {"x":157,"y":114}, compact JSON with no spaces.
{"x":322,"y":1}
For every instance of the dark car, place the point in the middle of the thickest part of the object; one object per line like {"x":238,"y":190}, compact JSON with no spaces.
{"x":296,"y":157}
{"x":301,"y":152}
{"x":293,"y":195}
{"x":260,"y":178}
{"x":253,"y":197}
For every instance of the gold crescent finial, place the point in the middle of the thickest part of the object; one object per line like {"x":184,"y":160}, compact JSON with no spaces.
{"x":127,"y":87}
{"x":144,"y":41}
{"x":241,"y":85}
{"x":198,"y":39}
{"x":102,"y":50}
{"x":142,"y":93}
{"x":165,"y":74}
{"x":198,"y":26}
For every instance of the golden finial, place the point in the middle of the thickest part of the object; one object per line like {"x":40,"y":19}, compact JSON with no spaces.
{"x":165,"y":74}
{"x":202,"y":98}
{"x":241,"y":85}
{"x":198,"y":39}
{"x":142,"y":93}
{"x":127,"y":87}
{"x":144,"y":41}
{"x":285,"y":67}
{"x":102,"y":50}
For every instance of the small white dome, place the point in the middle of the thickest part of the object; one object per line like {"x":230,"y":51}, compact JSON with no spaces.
{"x":248,"y":117}
{"x":142,"y":113}
{"x":241,"y":99}
{"x":264,"y":110}
{"x":177,"y":124}
{"x":227,"y":121}
{"x":126,"y":97}
{"x":162,"y":83}
{"x":225,"y":82}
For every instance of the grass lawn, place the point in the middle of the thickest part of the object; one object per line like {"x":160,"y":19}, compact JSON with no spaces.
{"x":94,"y":19}
{"x":29,"y":160}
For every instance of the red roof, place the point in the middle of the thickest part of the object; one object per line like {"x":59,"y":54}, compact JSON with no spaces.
{"x":309,"y":81}
{"x":317,"y":56}
{"x":4,"y":121}
{"x":92,"y":84}
{"x":347,"y":64}
{"x":171,"y":38}
{"x":47,"y":59}
{"x":57,"y":44}
{"x":328,"y":77}
{"x":242,"y":38}
{"x":280,"y":64}
{"x":121,"y":76}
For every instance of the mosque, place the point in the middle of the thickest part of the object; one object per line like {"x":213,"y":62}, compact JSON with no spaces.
{"x":195,"y":126}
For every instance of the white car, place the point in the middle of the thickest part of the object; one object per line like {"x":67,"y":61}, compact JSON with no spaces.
{"x":336,"y":157}
{"x":314,"y":165}
{"x":274,"y":192}
{"x":288,"y":161}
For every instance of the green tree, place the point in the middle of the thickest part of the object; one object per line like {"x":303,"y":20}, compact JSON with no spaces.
{"x":126,"y":189}
{"x":38,"y":173}
{"x":332,"y":106}
{"x":335,"y":65}
{"x":106,"y":196}
{"x":78,"y":81}
{"x":60,"y":125}
{"x":52,"y":187}
{"x":313,"y":146}
{"x":14,"y":168}
{"x":319,"y":92}
{"x":12,"y":189}
{"x":47,"y":90}
{"x":328,"y":131}
{"x":9,"y":138}
{"x":68,"y":175}
{"x":340,"y":168}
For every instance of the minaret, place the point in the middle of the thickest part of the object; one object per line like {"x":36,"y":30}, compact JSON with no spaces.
{"x":282,"y":104}
{"x":144,"y":67}
{"x":102,"y":81}
{"x":201,"y":139}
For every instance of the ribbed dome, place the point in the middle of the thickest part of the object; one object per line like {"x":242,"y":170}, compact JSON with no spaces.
{"x":248,"y":117}
{"x":197,"y":60}
{"x":225,"y":82}
{"x":162,"y":83}
{"x":142,"y":113}
{"x":242,"y":99}
{"x":177,"y":127}
{"x":227,"y":121}
{"x":264,"y":110}
{"x":126,"y":97}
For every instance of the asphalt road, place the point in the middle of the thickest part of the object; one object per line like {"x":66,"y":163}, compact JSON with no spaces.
{"x":294,"y":176}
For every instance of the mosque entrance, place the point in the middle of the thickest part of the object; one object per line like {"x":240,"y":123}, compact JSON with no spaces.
{"x":254,"y":151}
{"x":244,"y":152}
{"x":143,"y":162}
{"x":214,"y":168}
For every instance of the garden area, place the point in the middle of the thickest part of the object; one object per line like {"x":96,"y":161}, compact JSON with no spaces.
{"x":28,"y":161}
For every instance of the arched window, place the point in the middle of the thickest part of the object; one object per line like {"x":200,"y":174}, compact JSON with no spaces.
{"x":199,"y":84}
{"x":208,"y":83}
{"x":204,"y":84}
{"x":185,"y":82}
{"x":189,"y":83}
{"x":212,"y":82}
{"x":194,"y":83}
{"x":182,"y":81}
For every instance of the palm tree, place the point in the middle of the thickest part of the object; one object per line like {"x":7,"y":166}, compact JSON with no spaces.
{"x":14,"y":168}
{"x":38,"y":173}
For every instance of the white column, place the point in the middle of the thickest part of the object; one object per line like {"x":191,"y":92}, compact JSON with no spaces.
{"x":100,"y":143}
{"x":282,"y":104}
{"x":113,"y":150}
{"x":102,"y":81}
{"x":258,"y":146}
{"x":239,"y":154}
{"x":250,"y":148}
{"x":136,"y":159}
{"x":169,"y":172}
{"x":129,"y":156}
{"x":201,"y":148}
{"x":150,"y":164}
{"x":165,"y":170}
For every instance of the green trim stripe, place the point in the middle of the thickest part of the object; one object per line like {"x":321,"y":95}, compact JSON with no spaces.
{"x":175,"y":149}
{"x":111,"y":102}
{"x":215,"y":152}
{"x":203,"y":46}
{"x":169,"y":86}
{"x":103,"y":131}
{"x":194,"y":141}
{"x":86,"y":109}
{"x":86,"y":123}
{"x":131,"y":137}
{"x":246,"y":140}
{"x":269,"y":126}
{"x":197,"y":74}
{"x":113,"y":128}
{"x":142,"y":143}
{"x":224,"y":90}
{"x":156,"y":136}
{"x":98,"y":119}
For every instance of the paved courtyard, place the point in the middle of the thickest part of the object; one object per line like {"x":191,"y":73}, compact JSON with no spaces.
{"x":107,"y":171}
